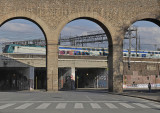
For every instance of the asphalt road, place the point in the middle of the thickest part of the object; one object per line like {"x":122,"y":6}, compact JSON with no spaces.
{"x":73,"y":102}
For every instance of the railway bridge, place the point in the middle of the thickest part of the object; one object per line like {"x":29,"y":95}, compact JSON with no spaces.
{"x":114,"y":16}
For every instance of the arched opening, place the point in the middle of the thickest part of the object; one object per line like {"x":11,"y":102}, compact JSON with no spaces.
{"x":22,"y":55}
{"x":83,"y":43}
{"x":141,"y":55}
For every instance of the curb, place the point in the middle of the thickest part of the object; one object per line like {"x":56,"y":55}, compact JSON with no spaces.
{"x":136,"y":97}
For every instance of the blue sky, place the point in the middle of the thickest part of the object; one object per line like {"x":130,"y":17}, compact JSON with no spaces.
{"x":20,"y":29}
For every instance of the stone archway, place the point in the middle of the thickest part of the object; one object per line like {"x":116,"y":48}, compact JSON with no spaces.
{"x":31,"y":18}
{"x":53,"y":15}
{"x":114,"y":81}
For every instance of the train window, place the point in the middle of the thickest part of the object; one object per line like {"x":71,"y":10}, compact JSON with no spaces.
{"x":88,"y":49}
{"x":87,"y":53}
{"x":152,"y":52}
{"x":149,"y":52}
{"x":159,"y":53}
{"x":102,"y":49}
{"x":83,"y":48}
{"x":137,"y":55}
{"x":124,"y":54}
{"x":156,"y":52}
{"x":93,"y":49}
{"x":133,"y":55}
{"x":97,"y":49}
{"x":143,"y":55}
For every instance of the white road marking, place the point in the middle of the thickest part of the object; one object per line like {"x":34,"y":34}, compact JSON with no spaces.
{"x":62,"y":101}
{"x":110,"y":105}
{"x":141,"y":105}
{"x":24,"y":106}
{"x":43,"y":106}
{"x":95,"y":105}
{"x":89,"y":98}
{"x":6,"y":105}
{"x":155,"y":105}
{"x":78,"y":106}
{"x":61,"y":106}
{"x":126,"y":105}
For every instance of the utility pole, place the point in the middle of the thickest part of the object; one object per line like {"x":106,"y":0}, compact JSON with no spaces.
{"x":136,"y":41}
{"x":59,"y":40}
{"x":155,"y":47}
{"x":139,"y":43}
{"x":129,"y":50}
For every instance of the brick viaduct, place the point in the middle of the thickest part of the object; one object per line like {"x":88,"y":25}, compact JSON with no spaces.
{"x":114,"y":16}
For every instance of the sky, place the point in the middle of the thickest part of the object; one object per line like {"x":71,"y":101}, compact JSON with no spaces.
{"x":20,"y":29}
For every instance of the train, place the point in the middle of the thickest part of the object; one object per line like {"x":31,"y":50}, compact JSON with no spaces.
{"x":71,"y":50}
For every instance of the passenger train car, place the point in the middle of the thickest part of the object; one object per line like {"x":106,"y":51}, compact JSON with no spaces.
{"x":70,"y":50}
{"x":63,"y":50}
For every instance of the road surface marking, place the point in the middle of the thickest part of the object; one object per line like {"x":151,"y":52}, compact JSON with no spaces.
{"x":43,"y":106}
{"x":6,"y":105}
{"x":155,"y":105}
{"x":61,"y":106}
{"x":24,"y":106}
{"x":78,"y":106}
{"x":95,"y":105}
{"x":141,"y":105}
{"x":126,"y":105}
{"x":62,"y":101}
{"x":110,"y":105}
{"x":89,"y":98}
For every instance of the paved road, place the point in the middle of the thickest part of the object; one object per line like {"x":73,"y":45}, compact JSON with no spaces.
{"x":73,"y":102}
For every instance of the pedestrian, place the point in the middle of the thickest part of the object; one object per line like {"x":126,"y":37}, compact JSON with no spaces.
{"x":149,"y":87}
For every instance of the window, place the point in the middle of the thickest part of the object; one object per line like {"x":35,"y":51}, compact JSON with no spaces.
{"x":124,"y":54}
{"x":143,"y":55}
{"x":133,"y":55}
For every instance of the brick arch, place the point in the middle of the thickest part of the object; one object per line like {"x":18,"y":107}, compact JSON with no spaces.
{"x":28,"y":16}
{"x":94,"y":17}
{"x":103,"y":23}
{"x":152,"y":17}
{"x":33,"y":18}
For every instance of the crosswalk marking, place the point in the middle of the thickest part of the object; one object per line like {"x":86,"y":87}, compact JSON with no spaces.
{"x":141,"y":105}
{"x":6,"y":105}
{"x":24,"y":106}
{"x":43,"y":106}
{"x":95,"y":105}
{"x":78,"y":106}
{"x":110,"y":105}
{"x":61,"y":106}
{"x":155,"y":105}
{"x":126,"y":105}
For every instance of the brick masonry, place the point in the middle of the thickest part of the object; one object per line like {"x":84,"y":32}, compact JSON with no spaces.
{"x":142,"y":71}
{"x":114,"y":16}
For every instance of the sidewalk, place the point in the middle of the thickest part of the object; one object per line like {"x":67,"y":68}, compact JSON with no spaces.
{"x":144,"y":94}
